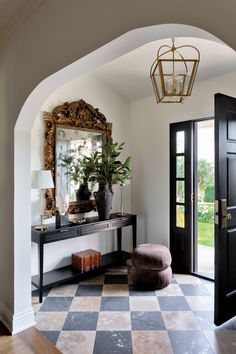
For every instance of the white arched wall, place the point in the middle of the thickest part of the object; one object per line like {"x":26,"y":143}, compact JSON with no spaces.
{"x":21,"y":315}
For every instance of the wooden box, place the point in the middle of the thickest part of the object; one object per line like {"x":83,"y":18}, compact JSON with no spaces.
{"x":86,"y":260}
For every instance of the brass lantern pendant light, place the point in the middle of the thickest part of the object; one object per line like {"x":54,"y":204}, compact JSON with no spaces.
{"x":172,"y":74}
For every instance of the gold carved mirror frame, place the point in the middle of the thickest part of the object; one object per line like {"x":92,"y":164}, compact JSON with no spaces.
{"x":77,"y":114}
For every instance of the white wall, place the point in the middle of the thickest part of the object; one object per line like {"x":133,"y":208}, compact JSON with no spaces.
{"x":150,"y":150}
{"x":116,"y":111}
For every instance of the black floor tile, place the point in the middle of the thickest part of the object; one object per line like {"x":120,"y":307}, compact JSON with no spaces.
{"x":147,"y":320}
{"x":189,"y":342}
{"x":173,"y":303}
{"x":114,"y":303}
{"x":194,"y":290}
{"x":81,"y":321}
{"x":56,"y":304}
{"x":89,"y":290}
{"x":52,"y":336}
{"x":136,"y":291}
{"x":116,"y":279}
{"x":113,"y":342}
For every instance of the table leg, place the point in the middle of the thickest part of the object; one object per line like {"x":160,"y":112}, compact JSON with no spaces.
{"x":40,"y":258}
{"x":135,"y":232}
{"x":119,"y":238}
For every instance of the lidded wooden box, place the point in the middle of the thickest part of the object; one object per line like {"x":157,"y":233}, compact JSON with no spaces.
{"x":86,"y":260}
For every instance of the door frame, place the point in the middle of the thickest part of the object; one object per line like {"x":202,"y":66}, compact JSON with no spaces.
{"x":180,"y":242}
{"x":192,"y":244}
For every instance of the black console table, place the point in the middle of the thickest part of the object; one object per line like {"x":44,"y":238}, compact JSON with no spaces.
{"x":90,"y":226}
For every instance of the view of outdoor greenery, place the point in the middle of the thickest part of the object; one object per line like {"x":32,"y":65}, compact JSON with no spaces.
{"x":205,"y":202}
{"x":206,"y":194}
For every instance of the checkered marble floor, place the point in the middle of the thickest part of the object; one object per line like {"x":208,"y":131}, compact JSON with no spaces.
{"x":107,"y":314}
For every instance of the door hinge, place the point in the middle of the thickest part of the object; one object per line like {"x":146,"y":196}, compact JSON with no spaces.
{"x":192,"y":197}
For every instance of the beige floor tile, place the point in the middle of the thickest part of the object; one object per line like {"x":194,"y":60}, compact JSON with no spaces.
{"x":64,"y":290}
{"x":36,"y":304}
{"x":114,"y":321}
{"x":187,"y":279}
{"x":222,"y":342}
{"x":200,"y":303}
{"x":210,"y":288}
{"x":50,"y":321}
{"x":144,"y":303}
{"x":180,"y":320}
{"x":151,"y":342}
{"x":86,"y":303}
{"x":115,"y":290}
{"x":75,"y":342}
{"x":98,"y":280}
{"x":170,"y":290}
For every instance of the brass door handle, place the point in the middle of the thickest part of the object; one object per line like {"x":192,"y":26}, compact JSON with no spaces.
{"x":224,"y":215}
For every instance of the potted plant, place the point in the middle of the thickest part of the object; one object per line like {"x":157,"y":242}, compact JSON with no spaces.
{"x":78,"y":172}
{"x":107,"y":170}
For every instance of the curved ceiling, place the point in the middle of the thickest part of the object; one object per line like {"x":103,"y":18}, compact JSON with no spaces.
{"x":128,"y":75}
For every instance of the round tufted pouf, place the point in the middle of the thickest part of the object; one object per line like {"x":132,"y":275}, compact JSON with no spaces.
{"x":151,"y":266}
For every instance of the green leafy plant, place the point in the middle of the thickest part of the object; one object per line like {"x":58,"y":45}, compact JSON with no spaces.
{"x":104,"y":166}
{"x":76,"y":169}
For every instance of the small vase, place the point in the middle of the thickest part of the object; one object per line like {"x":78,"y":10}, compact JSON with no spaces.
{"x":83,"y":193}
{"x":103,"y":199}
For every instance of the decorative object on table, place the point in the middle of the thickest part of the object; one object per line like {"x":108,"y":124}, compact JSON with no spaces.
{"x":42,"y":180}
{"x":172,"y":74}
{"x":107,"y":170}
{"x":121,"y":213}
{"x":86,"y":260}
{"x":62,"y":203}
{"x":151,"y":266}
{"x":77,"y":220}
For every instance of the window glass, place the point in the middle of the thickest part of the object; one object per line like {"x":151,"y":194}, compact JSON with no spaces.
{"x":180,"y":142}
{"x":180,"y":166}
{"x":180,"y":191}
{"x":180,"y":216}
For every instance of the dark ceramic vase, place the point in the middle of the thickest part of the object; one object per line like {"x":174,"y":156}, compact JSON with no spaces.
{"x":83,"y":193}
{"x":103,"y":199}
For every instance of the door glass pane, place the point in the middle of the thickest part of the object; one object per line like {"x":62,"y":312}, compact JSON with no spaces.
{"x":180,"y":216}
{"x":180,"y":142}
{"x":180,"y":166}
{"x":180,"y":191}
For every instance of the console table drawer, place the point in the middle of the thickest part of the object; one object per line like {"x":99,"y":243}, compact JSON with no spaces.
{"x":63,"y":234}
{"x":120,"y":222}
{"x":94,"y":228}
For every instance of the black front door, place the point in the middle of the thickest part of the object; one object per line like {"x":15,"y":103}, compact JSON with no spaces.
{"x":225,"y":208}
{"x":181,"y":196}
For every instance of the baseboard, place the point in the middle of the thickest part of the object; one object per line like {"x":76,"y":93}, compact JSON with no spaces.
{"x":16,"y":323}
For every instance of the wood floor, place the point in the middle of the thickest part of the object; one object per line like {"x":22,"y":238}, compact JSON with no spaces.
{"x":26,"y":342}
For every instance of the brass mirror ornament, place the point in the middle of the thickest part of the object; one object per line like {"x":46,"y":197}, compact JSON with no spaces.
{"x":172,"y":74}
{"x":77,"y":115}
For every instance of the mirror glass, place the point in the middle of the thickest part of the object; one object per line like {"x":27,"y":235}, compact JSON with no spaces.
{"x":79,"y":143}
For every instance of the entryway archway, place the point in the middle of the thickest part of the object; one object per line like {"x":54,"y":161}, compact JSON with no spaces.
{"x":22,"y":171}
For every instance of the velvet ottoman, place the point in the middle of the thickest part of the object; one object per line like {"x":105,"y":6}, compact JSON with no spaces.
{"x":151,"y":266}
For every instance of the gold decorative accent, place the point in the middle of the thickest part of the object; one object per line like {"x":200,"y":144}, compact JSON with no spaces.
{"x":79,"y":114}
{"x":173,"y":75}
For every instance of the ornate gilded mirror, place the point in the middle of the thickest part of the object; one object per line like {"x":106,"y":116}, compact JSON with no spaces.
{"x":79,"y":127}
